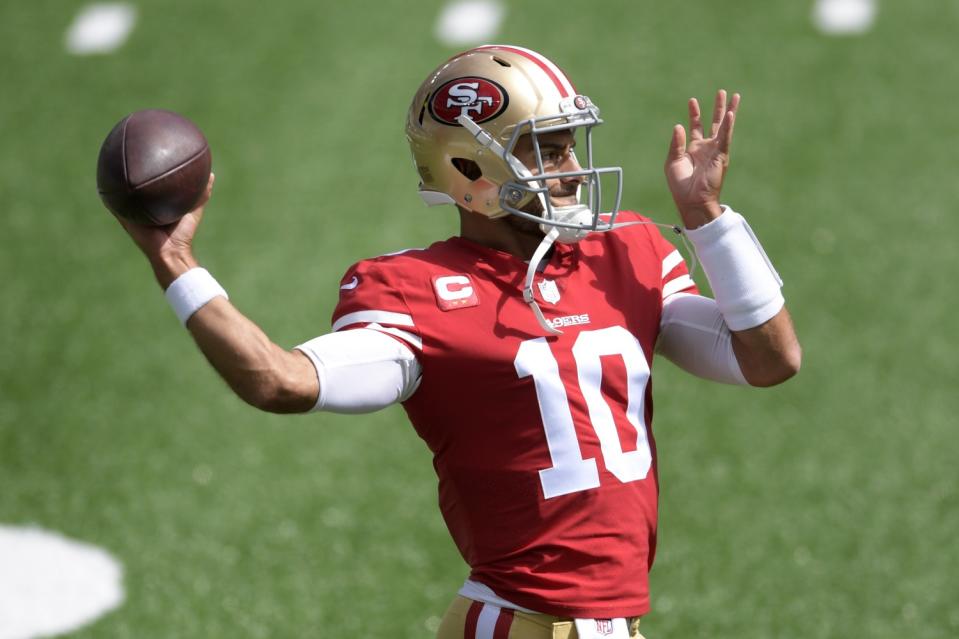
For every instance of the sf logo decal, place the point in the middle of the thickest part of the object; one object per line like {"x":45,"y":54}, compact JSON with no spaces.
{"x":477,"y":98}
{"x":464,"y":95}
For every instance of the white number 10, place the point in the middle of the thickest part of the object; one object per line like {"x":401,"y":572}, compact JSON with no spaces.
{"x":571,"y":473}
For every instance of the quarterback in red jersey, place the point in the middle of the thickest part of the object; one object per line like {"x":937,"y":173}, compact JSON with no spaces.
{"x":522,"y":349}
{"x":540,"y":451}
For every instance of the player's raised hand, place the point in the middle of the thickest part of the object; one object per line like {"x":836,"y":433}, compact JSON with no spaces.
{"x":169,"y":248}
{"x":695,"y":170}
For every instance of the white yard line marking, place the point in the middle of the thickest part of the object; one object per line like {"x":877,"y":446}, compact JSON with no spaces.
{"x":469,"y":22}
{"x":50,"y":584}
{"x":100,"y":28}
{"x":844,"y":17}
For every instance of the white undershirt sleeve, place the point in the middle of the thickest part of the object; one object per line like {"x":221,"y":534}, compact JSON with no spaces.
{"x":361,"y":370}
{"x":694,"y":336}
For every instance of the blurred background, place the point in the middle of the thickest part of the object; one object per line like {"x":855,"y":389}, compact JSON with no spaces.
{"x":827,"y":507}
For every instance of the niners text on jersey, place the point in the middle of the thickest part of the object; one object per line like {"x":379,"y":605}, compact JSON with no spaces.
{"x":542,"y":444}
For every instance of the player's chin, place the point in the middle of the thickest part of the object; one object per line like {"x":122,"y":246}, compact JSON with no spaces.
{"x":563,"y":201}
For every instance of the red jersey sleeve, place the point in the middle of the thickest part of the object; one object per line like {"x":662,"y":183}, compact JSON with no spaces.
{"x":675,"y":275}
{"x":369,"y":298}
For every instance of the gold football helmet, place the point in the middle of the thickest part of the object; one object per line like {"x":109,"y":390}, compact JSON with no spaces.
{"x":466,"y":119}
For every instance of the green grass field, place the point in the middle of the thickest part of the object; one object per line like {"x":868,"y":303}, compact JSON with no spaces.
{"x":828,"y":507}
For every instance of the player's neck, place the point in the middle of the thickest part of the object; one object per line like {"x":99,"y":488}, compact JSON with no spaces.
{"x":519,"y":240}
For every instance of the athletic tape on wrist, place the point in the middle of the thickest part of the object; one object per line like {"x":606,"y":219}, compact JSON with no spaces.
{"x":744,"y":282}
{"x":191,"y":291}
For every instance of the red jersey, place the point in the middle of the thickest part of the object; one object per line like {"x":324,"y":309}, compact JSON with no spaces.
{"x":542,"y":444}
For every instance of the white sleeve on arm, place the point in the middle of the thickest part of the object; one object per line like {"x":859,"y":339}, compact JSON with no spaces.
{"x":694,"y":336}
{"x":746,"y":286}
{"x":361,"y":370}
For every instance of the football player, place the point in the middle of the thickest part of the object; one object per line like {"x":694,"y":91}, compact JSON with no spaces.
{"x":522,"y":348}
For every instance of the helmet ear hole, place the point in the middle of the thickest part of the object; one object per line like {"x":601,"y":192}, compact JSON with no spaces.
{"x":470,"y":169}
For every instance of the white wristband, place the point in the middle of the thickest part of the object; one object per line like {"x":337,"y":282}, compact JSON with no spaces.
{"x":191,"y":291}
{"x":744,"y":282}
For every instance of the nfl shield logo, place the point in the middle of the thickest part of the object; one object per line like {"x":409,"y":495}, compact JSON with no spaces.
{"x":604,"y":627}
{"x":549,"y":291}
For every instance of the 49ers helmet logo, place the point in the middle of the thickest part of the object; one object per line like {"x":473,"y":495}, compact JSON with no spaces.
{"x":478,"y":98}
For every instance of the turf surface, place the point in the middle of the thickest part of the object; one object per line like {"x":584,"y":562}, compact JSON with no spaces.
{"x":827,"y":507}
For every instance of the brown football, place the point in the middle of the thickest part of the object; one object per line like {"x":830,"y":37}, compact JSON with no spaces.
{"x":153,"y":167}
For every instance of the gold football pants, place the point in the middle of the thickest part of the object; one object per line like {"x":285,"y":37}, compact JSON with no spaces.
{"x":468,"y":619}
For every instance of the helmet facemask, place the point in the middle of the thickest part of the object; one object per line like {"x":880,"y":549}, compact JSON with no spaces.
{"x":573,"y":222}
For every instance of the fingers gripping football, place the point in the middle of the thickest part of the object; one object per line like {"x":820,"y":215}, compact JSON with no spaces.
{"x":169,"y":248}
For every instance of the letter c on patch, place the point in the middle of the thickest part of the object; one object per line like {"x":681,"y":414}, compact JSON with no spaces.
{"x":454,"y":287}
{"x":454,"y":291}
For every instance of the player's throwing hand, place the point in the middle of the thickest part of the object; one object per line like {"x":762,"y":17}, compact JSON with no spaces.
{"x":695,"y":171}
{"x":170,"y":248}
